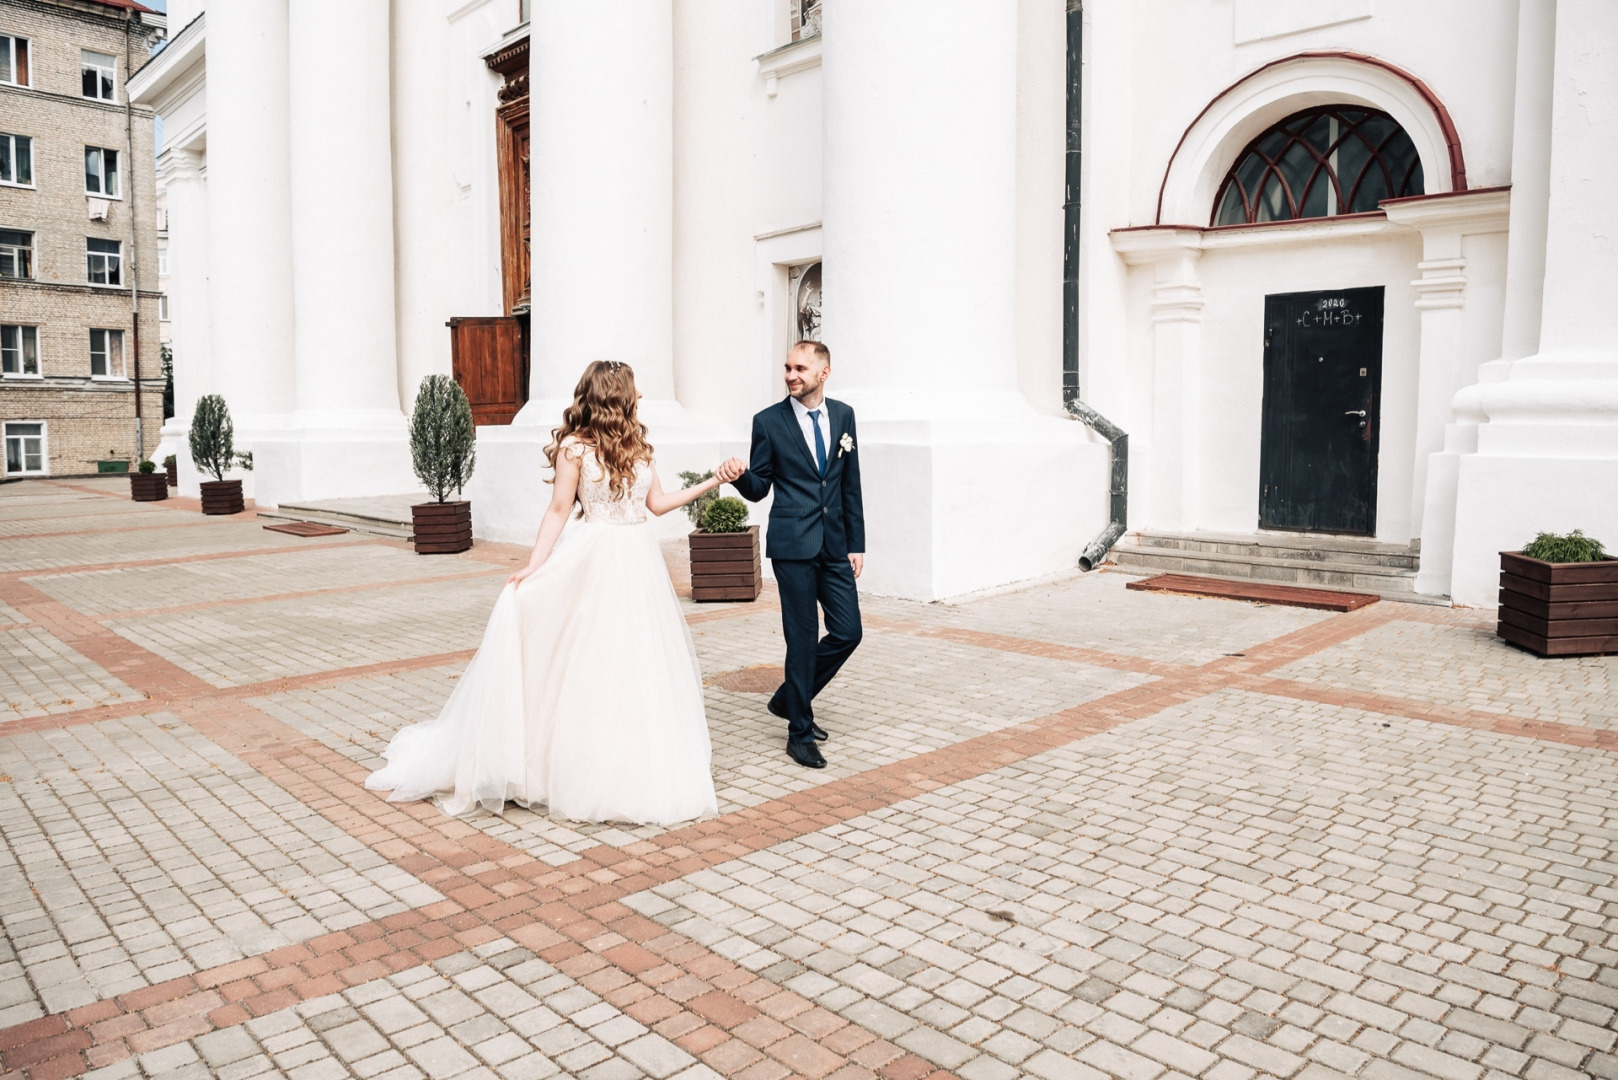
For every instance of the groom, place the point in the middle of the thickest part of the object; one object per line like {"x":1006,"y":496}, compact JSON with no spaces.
{"x":806,"y":447}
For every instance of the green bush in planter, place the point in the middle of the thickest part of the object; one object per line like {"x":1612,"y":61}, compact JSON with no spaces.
{"x":213,"y":438}
{"x":442,"y":438}
{"x":725,"y":515}
{"x":1574,"y":547}
{"x":168,"y":462}
{"x":147,"y":468}
{"x":695,"y":508}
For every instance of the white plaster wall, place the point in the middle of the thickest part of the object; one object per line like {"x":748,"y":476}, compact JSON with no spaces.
{"x":1041,"y":152}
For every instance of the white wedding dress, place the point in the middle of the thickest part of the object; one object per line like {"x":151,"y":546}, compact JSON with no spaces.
{"x":585,"y":695}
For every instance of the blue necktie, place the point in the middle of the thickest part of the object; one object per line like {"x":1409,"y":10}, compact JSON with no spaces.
{"x":820,"y":442}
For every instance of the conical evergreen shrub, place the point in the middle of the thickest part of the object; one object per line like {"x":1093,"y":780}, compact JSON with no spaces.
{"x":442,"y":439}
{"x":213,"y":436}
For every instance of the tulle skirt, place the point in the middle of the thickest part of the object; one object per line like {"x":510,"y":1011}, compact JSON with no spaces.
{"x":584,"y":697}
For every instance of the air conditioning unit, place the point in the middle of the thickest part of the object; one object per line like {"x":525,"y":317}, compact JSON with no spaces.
{"x":99,"y":208}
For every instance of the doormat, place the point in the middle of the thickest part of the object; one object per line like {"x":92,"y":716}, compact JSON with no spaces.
{"x":305,"y":528}
{"x":759,"y":679}
{"x":1262,"y":592}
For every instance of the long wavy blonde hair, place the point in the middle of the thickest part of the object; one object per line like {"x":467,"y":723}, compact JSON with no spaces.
{"x":604,"y":414}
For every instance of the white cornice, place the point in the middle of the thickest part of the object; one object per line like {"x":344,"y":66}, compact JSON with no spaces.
{"x":176,"y":72}
{"x":800,"y":55}
{"x":1483,"y":211}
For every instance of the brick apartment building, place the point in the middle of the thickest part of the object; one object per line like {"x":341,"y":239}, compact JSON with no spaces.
{"x":80,"y":368}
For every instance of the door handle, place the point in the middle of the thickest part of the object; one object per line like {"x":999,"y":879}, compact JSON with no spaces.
{"x":1355,"y":412}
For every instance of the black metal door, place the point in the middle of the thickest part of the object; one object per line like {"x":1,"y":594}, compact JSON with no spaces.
{"x":1322,"y":385}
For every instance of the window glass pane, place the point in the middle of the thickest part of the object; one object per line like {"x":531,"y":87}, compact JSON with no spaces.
{"x":1272,"y":201}
{"x":98,"y":352}
{"x":92,"y":169}
{"x":25,"y":160}
{"x":115,"y":353}
{"x":10,"y":349}
{"x":5,"y":60}
{"x":7,"y":164}
{"x":106,"y":86}
{"x":88,"y":82}
{"x":1231,"y":211}
{"x":109,"y":246}
{"x":30,"y":350}
{"x":109,"y":171}
{"x":13,"y":453}
{"x":21,"y":61}
{"x":20,"y":239}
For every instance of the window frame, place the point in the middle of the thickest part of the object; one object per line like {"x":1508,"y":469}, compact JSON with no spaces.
{"x":112,"y":266}
{"x":44,"y":438}
{"x":31,"y":249}
{"x":1323,"y":172}
{"x":10,"y":46}
{"x":109,"y":73}
{"x":39,"y":364}
{"x":102,"y":153}
{"x":163,"y":308}
{"x":6,"y":136}
{"x":106,"y":354}
{"x":162,"y":260}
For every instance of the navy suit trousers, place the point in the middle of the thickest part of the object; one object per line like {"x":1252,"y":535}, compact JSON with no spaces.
{"x":826,"y":581}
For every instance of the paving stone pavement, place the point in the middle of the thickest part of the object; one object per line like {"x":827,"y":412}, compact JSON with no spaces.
{"x":1067,"y":831}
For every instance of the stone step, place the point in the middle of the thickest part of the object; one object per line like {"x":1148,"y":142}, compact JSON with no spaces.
{"x":370,"y":524}
{"x":1302,"y":548}
{"x":1387,"y":581}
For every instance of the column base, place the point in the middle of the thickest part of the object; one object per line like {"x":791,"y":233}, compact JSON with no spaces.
{"x":297,"y":464}
{"x":510,"y":487}
{"x":959,"y":506}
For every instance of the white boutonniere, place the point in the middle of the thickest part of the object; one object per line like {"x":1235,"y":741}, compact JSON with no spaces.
{"x":845,"y":445}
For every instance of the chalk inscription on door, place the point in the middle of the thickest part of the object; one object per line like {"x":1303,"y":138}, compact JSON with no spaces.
{"x":1322,"y":386}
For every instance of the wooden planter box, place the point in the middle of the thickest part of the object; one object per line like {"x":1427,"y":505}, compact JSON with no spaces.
{"x":148,"y":487}
{"x":726,"y":566}
{"x":222,"y":497}
{"x":441,"y":528}
{"x":172,"y":474}
{"x":1559,"y":609}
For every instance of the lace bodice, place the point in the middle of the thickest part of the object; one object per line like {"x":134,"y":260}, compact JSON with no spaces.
{"x":596,"y":496}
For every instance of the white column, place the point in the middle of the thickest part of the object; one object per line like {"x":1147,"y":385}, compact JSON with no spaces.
{"x":186,"y":192}
{"x":342,"y":215}
{"x":966,"y":485}
{"x":1547,"y":446}
{"x":920,"y":199}
{"x":249,"y":206}
{"x":348,"y":434}
{"x":602,"y":179}
{"x":601,"y":168}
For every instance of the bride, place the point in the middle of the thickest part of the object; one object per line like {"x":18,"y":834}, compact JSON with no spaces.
{"x":585,"y":695}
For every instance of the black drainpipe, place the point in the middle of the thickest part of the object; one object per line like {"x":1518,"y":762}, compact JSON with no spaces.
{"x":1117,"y":439}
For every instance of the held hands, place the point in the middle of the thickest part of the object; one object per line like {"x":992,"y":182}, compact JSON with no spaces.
{"x":729,"y":471}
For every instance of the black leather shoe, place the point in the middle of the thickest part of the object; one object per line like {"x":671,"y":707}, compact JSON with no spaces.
{"x":814,"y":728}
{"x":806,"y":754}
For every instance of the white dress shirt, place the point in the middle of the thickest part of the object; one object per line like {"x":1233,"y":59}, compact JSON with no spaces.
{"x":802,"y":414}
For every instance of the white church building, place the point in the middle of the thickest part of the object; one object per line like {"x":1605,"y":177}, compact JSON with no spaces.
{"x":1344,"y":271}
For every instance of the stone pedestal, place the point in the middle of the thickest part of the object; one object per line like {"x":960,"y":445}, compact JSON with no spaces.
{"x":966,"y":485}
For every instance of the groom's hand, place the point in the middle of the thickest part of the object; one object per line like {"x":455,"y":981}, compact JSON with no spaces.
{"x":730,"y":470}
{"x":857,"y":562}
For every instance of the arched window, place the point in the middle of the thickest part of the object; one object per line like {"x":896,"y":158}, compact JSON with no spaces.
{"x":1320,"y":163}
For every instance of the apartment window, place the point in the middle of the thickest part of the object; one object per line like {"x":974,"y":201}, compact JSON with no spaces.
{"x":19,"y":351}
{"x":163,"y":307}
{"x":17,"y":160}
{"x":25,"y":449}
{"x":16,"y":254}
{"x":106,"y":354}
{"x":13,"y":60}
{"x":97,"y":70}
{"x":162,"y":262}
{"x":101,"y":172}
{"x":805,"y":18}
{"x":105,"y":258}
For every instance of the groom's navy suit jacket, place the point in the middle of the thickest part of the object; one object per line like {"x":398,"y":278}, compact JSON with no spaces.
{"x":812,"y":514}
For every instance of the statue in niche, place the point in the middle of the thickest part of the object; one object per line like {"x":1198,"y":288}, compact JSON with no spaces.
{"x":806,"y":302}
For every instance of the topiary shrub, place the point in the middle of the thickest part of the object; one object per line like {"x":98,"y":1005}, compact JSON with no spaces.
{"x":442,"y":439}
{"x":213,"y":436}
{"x":147,"y":467}
{"x":694,"y":509}
{"x":169,"y":462}
{"x":725,"y":515}
{"x":1575,"y":547}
